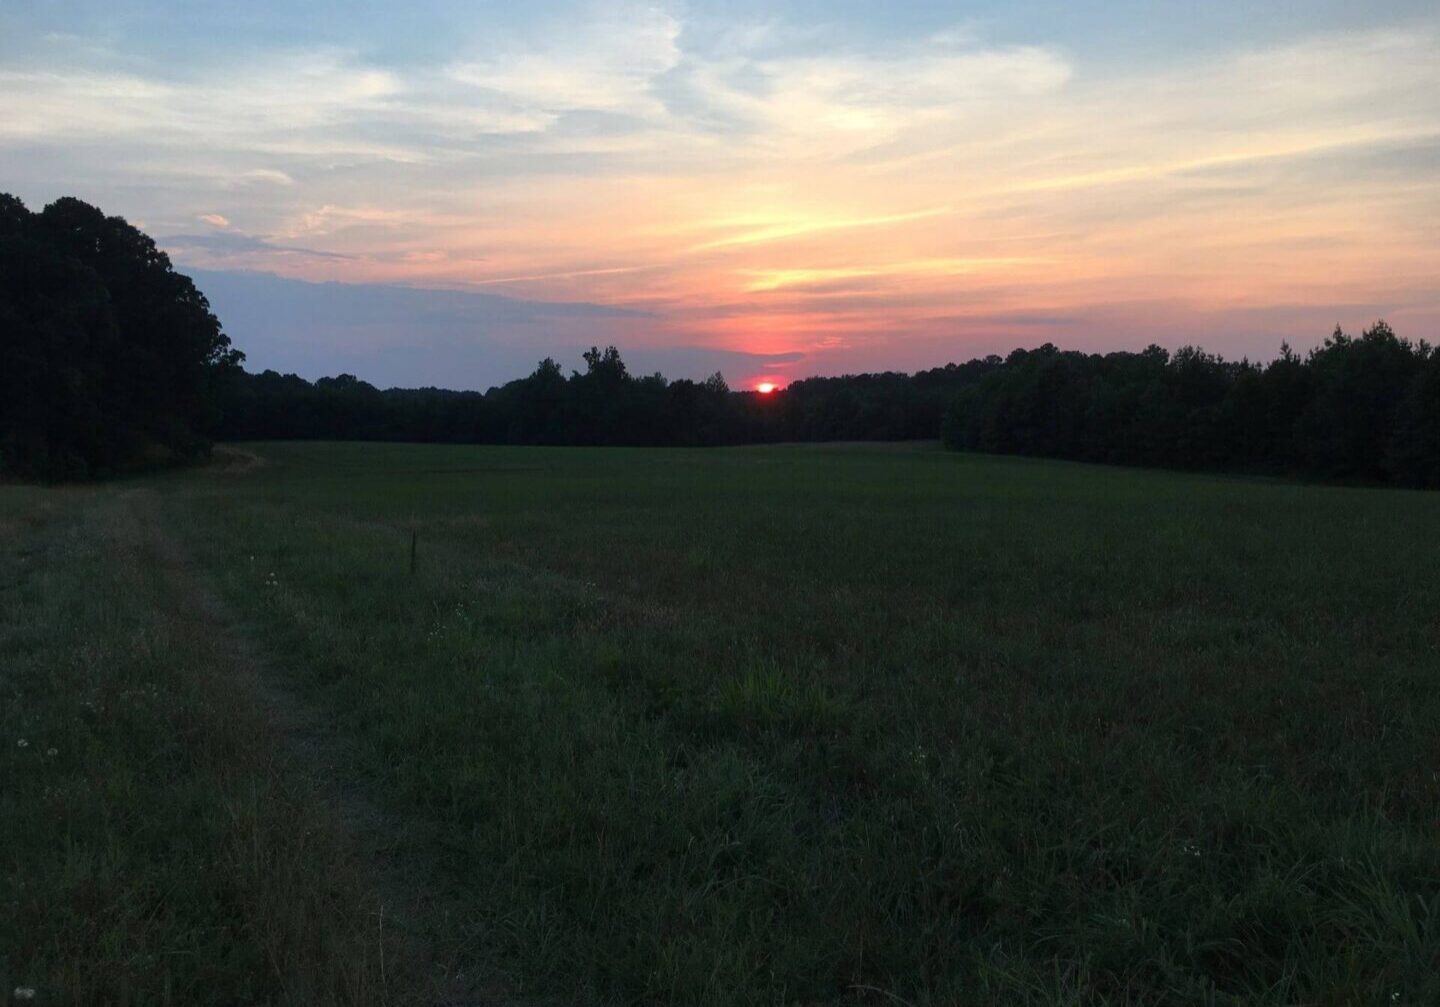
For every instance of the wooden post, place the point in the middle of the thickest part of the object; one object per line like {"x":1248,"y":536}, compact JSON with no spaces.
{"x":414,"y":537}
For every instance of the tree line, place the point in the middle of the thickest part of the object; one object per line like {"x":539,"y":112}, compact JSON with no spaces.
{"x":1363,"y":408}
{"x":602,"y":405}
{"x":110,"y":360}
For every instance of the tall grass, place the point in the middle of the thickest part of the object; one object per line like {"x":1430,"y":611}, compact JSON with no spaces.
{"x":157,"y":845}
{"x":867,"y":725}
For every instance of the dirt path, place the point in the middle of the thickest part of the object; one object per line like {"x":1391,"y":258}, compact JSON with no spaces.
{"x":227,"y":459}
{"x":407,"y":893}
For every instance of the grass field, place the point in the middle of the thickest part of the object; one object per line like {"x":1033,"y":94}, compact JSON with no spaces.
{"x":850,"y":724}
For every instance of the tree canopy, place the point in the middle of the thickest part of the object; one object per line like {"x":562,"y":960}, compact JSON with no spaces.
{"x":109,"y":359}
{"x":1363,"y":408}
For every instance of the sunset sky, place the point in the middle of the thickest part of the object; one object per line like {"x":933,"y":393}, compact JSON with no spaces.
{"x":771,"y":189}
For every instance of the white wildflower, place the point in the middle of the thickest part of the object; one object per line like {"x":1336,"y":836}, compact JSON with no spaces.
{"x":22,"y":743}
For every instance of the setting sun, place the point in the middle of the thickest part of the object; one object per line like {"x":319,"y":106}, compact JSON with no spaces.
{"x":765,"y":387}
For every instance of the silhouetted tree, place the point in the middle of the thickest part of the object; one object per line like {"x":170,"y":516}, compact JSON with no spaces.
{"x":1358,"y":385}
{"x":1413,"y":457}
{"x":110,"y":359}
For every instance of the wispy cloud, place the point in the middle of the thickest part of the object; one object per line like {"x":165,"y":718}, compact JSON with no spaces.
{"x":567,"y":274}
{"x":837,"y":103}
{"x":830,"y":279}
{"x":607,"y":63}
{"x":228,"y":244}
{"x":799,"y":226}
{"x":283,"y":103}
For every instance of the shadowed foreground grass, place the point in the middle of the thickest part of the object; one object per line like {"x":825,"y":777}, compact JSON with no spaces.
{"x":861,"y":724}
{"x":155,"y":848}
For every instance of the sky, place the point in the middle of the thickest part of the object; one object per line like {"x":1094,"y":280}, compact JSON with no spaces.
{"x":443,"y":192}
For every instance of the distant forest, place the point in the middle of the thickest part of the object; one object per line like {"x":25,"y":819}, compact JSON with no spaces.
{"x":110,"y":360}
{"x":603,"y":405}
{"x":1360,"y":408}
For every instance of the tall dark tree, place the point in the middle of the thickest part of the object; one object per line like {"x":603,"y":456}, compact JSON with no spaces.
{"x":110,"y":359}
{"x":1413,"y":458}
{"x":56,"y":326}
{"x":537,"y":406}
{"x":1359,"y":383}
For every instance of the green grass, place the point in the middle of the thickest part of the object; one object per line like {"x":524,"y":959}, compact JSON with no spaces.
{"x":155,"y":847}
{"x":815,"y":725}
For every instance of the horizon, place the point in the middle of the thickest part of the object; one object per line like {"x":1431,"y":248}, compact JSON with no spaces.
{"x":695,"y":363}
{"x":573,"y":361}
{"x":812,"y":191}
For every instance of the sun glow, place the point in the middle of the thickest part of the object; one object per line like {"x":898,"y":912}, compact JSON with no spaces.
{"x":766,"y":387}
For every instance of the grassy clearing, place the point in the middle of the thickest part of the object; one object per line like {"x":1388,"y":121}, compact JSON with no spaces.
{"x":850,"y":725}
